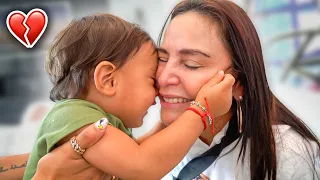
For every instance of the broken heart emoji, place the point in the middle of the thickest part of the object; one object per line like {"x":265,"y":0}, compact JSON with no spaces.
{"x":27,"y":29}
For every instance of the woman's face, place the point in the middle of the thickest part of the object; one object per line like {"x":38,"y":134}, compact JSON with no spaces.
{"x":190,"y":54}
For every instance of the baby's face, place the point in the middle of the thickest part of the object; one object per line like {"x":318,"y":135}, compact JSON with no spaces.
{"x":136,"y":91}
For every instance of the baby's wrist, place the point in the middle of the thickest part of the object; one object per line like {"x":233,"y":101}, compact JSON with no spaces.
{"x":196,"y":112}
{"x":203,"y":112}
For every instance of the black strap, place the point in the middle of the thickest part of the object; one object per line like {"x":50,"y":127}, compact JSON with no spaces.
{"x":199,"y":164}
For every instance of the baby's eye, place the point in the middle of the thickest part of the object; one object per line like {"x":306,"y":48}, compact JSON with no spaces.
{"x":154,"y":80}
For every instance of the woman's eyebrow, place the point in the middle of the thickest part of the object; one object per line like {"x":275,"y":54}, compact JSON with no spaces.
{"x":193,"y":52}
{"x":162,"y":50}
{"x":186,"y":52}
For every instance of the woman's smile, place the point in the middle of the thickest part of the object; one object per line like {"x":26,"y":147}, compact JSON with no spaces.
{"x":173,"y":101}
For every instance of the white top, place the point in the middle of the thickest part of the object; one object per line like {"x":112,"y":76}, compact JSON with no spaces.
{"x":295,"y":157}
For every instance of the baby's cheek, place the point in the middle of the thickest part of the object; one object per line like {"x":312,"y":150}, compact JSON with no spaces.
{"x":150,"y":95}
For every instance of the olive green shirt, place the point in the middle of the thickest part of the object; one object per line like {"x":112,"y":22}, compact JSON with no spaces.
{"x":66,"y":117}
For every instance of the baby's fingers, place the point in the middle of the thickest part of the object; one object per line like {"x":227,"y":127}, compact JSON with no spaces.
{"x":217,"y":78}
{"x":227,"y":82}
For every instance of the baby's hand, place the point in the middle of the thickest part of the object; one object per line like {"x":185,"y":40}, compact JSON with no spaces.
{"x":218,"y":92}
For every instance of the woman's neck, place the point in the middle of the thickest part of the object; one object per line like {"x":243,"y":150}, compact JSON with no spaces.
{"x":219,"y":123}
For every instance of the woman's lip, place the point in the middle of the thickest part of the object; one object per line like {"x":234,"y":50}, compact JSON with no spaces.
{"x":171,"y":96}
{"x":173,"y":105}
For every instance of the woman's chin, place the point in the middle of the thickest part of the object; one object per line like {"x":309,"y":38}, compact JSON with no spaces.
{"x":167,"y":122}
{"x":169,"y":117}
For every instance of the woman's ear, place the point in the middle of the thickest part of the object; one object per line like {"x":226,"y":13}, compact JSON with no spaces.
{"x":104,"y":78}
{"x":237,"y":91}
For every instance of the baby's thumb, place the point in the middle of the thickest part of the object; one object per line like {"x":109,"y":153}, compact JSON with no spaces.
{"x":92,"y":134}
{"x":228,"y":81}
{"x":217,"y":78}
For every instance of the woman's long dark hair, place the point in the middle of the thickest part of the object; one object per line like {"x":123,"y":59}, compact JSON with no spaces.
{"x":261,"y":109}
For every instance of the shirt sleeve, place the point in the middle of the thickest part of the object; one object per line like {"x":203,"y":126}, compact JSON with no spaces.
{"x":65,"y":120}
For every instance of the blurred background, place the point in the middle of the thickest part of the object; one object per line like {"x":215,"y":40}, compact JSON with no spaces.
{"x":289,"y":31}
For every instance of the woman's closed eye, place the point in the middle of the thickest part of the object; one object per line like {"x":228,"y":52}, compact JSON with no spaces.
{"x":162,"y":60}
{"x":191,"y":65}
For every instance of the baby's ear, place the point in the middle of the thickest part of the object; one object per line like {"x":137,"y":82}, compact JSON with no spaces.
{"x":104,"y":78}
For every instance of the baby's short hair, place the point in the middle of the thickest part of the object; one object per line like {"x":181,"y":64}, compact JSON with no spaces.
{"x":85,"y":43}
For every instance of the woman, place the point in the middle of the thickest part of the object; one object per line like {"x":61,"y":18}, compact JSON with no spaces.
{"x":271,"y":143}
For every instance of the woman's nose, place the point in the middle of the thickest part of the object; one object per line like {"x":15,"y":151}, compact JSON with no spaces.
{"x":167,"y":76}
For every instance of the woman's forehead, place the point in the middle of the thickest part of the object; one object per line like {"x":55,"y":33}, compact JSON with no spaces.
{"x":191,"y":31}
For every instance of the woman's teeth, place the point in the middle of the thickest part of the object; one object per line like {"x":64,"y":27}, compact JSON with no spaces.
{"x":175,"y":100}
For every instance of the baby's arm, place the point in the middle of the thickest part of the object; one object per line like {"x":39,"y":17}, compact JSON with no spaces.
{"x":157,"y":128}
{"x":119,"y":155}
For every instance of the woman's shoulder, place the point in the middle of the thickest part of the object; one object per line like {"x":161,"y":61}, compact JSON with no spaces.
{"x":297,"y":157}
{"x":287,"y":137}
{"x":287,"y":140}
